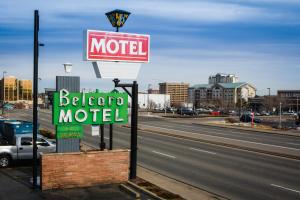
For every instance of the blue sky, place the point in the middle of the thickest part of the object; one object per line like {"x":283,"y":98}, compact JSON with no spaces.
{"x":258,"y":40}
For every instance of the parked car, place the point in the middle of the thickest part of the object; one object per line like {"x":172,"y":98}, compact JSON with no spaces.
{"x":21,"y":148}
{"x":8,"y":107}
{"x":185,"y":111}
{"x":298,"y":119}
{"x":248,"y":118}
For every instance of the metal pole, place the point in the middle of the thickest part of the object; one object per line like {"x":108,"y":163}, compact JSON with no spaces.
{"x":297,"y":104}
{"x":110,"y":136}
{"x":3,"y":82}
{"x":35,"y":92}
{"x":102,"y":144}
{"x":280,"y":115}
{"x":134,"y":126}
{"x":165,"y":104}
{"x":269,"y":99}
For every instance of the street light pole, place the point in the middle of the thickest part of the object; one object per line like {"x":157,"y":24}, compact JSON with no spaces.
{"x":280,"y":115}
{"x":3,"y":82}
{"x":36,"y":45}
{"x":269,"y":103}
{"x":297,"y":103}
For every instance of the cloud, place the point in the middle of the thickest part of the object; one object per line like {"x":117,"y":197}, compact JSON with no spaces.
{"x":73,"y":11}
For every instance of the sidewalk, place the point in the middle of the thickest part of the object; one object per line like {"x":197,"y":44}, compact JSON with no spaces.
{"x":186,"y":191}
{"x":15,"y":185}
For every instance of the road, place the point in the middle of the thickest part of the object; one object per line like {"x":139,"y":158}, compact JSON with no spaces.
{"x":233,"y":173}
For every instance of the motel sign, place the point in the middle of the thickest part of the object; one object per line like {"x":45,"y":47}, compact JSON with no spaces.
{"x":112,"y":46}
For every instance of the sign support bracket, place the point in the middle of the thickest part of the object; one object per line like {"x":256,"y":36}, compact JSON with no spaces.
{"x":134,"y":124}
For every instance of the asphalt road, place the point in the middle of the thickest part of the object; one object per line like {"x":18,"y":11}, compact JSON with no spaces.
{"x":233,"y":173}
{"x":251,"y":136}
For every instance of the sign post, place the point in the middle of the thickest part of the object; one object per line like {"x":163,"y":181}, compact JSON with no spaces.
{"x":119,"y":55}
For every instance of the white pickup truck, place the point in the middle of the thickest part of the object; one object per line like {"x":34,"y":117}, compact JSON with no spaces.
{"x":22,"y":148}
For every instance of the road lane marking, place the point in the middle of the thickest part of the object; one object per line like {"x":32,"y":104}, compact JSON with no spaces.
{"x":166,"y":127}
{"x":163,"y":154}
{"x":245,"y":141}
{"x":278,"y":186}
{"x":106,"y":138}
{"x":209,"y":152}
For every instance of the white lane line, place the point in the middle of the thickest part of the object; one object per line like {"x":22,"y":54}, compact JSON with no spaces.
{"x":163,"y":154}
{"x":106,"y":138}
{"x":278,"y":186}
{"x":292,"y":143}
{"x":213,"y":136}
{"x":209,"y":152}
{"x":205,"y":130}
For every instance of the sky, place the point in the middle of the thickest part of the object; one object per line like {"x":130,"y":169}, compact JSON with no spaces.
{"x":257,"y":40}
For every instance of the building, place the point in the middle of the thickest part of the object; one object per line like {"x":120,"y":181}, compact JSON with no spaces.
{"x":222,"y":91}
{"x":289,"y":99}
{"x":9,"y":89}
{"x":153,"y":101}
{"x":14,"y":90}
{"x":223,"y":78}
{"x":153,"y":91}
{"x":25,"y":90}
{"x":178,"y":92}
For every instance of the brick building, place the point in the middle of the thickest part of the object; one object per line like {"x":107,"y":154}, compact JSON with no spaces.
{"x":178,"y":92}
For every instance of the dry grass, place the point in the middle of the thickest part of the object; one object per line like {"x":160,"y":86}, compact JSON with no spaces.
{"x":157,"y":190}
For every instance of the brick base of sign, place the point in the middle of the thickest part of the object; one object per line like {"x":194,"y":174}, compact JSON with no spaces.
{"x":83,"y":169}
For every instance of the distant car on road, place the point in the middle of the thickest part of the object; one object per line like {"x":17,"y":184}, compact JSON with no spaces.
{"x":248,"y":118}
{"x":185,"y":111}
{"x":298,"y":119}
{"x":8,"y":107}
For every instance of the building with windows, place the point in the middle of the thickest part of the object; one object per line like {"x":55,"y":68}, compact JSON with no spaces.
{"x":14,"y":90}
{"x":178,"y":92}
{"x":153,"y":101}
{"x":25,"y":90}
{"x":153,"y":91}
{"x":223,"y":78}
{"x":224,"y":93}
{"x":290,"y":99}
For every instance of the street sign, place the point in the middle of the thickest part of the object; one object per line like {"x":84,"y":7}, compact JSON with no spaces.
{"x":69,"y":131}
{"x":95,"y":130}
{"x":115,"y":46}
{"x":89,"y":108}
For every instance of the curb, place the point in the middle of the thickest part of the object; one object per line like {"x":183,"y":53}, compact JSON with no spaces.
{"x":215,"y":195}
{"x":145,"y":191}
{"x":130,"y":191}
{"x":246,"y":129}
{"x":223,"y":144}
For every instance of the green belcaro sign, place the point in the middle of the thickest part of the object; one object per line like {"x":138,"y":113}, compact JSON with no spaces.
{"x":89,"y":108}
{"x":69,"y":131}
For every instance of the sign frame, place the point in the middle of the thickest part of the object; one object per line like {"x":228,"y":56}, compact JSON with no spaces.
{"x":86,"y":51}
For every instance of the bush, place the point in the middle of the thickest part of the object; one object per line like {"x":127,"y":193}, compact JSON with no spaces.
{"x":47,"y":133}
{"x":231,"y":120}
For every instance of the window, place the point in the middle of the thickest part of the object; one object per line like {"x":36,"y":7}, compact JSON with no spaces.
{"x":41,"y":142}
{"x":26,"y":141}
